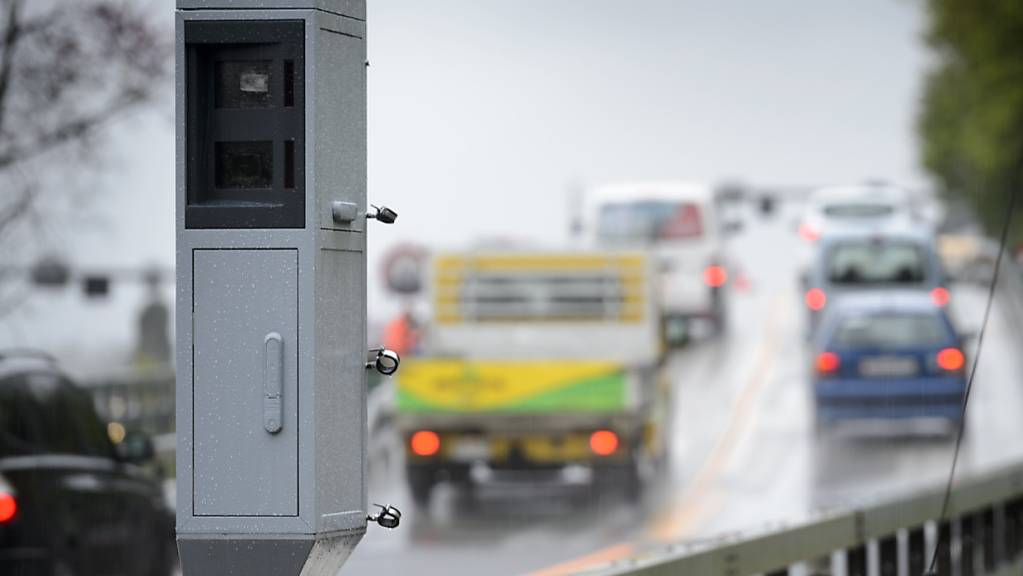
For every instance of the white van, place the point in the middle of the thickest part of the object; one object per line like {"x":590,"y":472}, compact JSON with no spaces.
{"x":680,"y":223}
{"x":857,"y":207}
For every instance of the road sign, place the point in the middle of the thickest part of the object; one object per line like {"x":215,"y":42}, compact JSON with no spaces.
{"x":404,"y":267}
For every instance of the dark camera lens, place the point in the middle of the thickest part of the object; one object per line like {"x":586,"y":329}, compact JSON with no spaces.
{"x":387,"y":363}
{"x":244,"y":164}
{"x":243,"y":84}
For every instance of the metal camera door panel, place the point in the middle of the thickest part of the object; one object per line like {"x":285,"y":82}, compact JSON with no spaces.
{"x":245,"y":382}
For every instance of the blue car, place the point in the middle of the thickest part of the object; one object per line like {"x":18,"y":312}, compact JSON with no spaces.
{"x":887,"y":356}
{"x":875,"y":262}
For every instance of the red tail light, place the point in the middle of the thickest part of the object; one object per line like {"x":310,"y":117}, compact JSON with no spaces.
{"x":8,"y":507}
{"x":951,"y":359}
{"x":940,"y":296}
{"x":828,"y":362}
{"x":808,"y":233}
{"x":603,"y":442}
{"x":425,"y":443}
{"x":715,"y":276}
{"x":816,"y":299}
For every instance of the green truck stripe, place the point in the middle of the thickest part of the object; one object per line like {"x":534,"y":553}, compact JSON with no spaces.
{"x":604,"y":393}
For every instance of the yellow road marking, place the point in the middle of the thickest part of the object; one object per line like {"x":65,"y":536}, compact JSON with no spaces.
{"x":609,"y":554}
{"x":698,"y":498}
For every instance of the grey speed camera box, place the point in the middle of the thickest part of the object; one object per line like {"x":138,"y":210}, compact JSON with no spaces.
{"x":271,"y":287}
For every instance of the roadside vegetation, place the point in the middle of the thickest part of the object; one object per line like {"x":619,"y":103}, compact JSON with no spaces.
{"x":971,"y":123}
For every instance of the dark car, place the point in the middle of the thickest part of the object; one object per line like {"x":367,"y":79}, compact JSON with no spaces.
{"x":71,"y":502}
{"x":888,"y":356}
{"x":857,"y":262}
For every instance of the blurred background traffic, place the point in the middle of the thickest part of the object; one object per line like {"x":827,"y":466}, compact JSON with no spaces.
{"x":665,"y":272}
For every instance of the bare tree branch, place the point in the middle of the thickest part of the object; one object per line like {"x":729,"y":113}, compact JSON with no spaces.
{"x":67,"y":70}
{"x":14,"y":210}
{"x":12,"y":297}
{"x":10,"y":42}
{"x":71,"y":130}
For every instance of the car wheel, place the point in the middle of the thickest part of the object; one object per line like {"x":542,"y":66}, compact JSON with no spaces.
{"x":634,"y":473}
{"x":719,"y":322}
{"x":421,"y":480}
{"x":821,"y":427}
{"x":632,"y":485}
{"x":674,"y":331}
{"x":616,"y":481}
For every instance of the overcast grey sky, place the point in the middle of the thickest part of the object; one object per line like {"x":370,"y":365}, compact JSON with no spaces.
{"x":492,"y":107}
{"x":502,"y":103}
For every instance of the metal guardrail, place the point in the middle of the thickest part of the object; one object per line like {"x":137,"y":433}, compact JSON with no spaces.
{"x":982,"y":535}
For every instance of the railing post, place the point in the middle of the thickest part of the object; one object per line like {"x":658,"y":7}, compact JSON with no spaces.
{"x":987,"y":539}
{"x":917,"y":551}
{"x":888,"y":551}
{"x":1012,"y":529}
{"x":944,"y":545}
{"x":856,"y":561}
{"x":1001,"y":551}
{"x":967,"y":550}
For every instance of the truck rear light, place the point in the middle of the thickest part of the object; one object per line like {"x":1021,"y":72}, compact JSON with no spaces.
{"x":715,"y":276}
{"x":828,"y":363}
{"x":815,"y":299}
{"x":951,"y":359}
{"x":604,"y":442}
{"x":425,"y":443}
{"x":940,"y":296}
{"x":8,"y":507}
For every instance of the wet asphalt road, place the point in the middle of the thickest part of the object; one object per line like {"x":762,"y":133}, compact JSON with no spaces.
{"x":743,"y":452}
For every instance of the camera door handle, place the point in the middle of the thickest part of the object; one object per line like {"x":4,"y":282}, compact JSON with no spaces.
{"x":273,"y":382}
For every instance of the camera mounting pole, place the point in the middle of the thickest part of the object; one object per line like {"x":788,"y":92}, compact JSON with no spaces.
{"x":271,"y":286}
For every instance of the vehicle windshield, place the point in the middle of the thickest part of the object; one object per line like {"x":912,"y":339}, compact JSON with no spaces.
{"x":858,"y":211}
{"x":649,"y":222}
{"x":865,"y":263}
{"x":890,"y":331}
{"x":40,"y":413}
